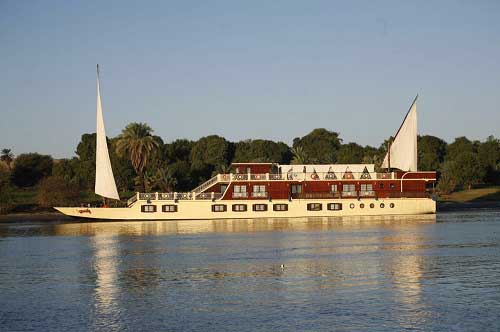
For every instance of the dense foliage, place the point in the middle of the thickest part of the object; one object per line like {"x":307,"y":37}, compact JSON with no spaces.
{"x":142,"y":161}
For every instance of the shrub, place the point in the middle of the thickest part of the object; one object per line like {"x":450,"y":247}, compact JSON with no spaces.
{"x":30,"y":168}
{"x":55,"y":191}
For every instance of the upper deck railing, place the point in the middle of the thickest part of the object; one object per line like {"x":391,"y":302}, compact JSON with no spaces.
{"x":307,"y":176}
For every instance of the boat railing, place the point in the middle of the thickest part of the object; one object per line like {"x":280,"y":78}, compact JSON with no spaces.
{"x":205,"y":185}
{"x":260,"y":194}
{"x":367,"y":193}
{"x":349,"y":194}
{"x":132,"y":200}
{"x":209,"y":196}
{"x":307,"y":176}
{"x":240,"y":195}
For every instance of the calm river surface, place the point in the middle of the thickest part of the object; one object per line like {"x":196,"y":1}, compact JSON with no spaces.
{"x":428,"y":273}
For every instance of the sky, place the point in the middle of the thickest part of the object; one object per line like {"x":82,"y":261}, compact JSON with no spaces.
{"x":246,"y":69}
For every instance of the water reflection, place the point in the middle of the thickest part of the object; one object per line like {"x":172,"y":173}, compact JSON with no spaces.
{"x":321,"y":274}
{"x":106,"y":292}
{"x":143,"y":228}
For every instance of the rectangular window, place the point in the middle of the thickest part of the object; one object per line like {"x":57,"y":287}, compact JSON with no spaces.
{"x":260,"y":207}
{"x":366,"y":187}
{"x":259,"y":189}
{"x":223,"y":188}
{"x":219,"y":208}
{"x":280,"y":207}
{"x":239,"y":207}
{"x":334,"y":188}
{"x":392,"y":185}
{"x":314,"y":207}
{"x":148,"y":208}
{"x":348,"y":187}
{"x":334,"y":206}
{"x":169,"y":208}
{"x":240,"y":189}
{"x":381,"y":186}
{"x":296,"y":188}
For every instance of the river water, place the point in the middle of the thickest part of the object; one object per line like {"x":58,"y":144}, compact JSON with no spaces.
{"x":426,"y":273}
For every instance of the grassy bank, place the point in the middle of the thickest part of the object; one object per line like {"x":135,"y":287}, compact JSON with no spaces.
{"x":478,"y":198}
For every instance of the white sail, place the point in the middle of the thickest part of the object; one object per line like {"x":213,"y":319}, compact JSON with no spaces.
{"x":402,"y":153}
{"x":104,"y":181}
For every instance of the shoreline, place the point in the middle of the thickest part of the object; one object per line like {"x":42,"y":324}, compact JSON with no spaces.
{"x":46,"y":216}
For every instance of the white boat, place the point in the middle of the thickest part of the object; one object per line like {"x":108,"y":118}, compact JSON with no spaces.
{"x":270,"y":190}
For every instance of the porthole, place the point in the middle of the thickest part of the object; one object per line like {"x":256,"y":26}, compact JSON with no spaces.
{"x":362,"y":205}
{"x":351,"y":205}
{"x":382,"y":205}
{"x":372,"y":206}
{"x":391,"y":205}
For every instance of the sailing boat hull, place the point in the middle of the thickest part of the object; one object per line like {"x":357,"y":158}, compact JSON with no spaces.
{"x":190,"y":210}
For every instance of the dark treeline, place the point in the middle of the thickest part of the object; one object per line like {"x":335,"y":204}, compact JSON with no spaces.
{"x":142,"y":161}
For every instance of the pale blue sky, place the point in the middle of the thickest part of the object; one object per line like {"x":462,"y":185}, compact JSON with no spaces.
{"x":253,"y":69}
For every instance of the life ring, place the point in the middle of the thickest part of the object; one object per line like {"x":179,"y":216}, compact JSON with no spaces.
{"x":314,"y":176}
{"x":239,"y":177}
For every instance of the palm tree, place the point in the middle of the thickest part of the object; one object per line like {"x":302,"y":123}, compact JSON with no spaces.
{"x":165,"y":180}
{"x":7,"y":157}
{"x":137,"y":143}
{"x":300,"y":157}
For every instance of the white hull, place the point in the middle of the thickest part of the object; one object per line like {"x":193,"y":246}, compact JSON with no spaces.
{"x":198,"y":209}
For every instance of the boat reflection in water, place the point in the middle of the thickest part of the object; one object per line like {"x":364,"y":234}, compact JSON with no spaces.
{"x":237,"y":225}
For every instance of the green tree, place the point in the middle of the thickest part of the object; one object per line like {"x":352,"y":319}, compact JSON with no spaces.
{"x":85,"y":167}
{"x":138,"y":144}
{"x":350,"y":153}
{"x":300,"y":157}
{"x":260,"y":150}
{"x":459,"y":146}
{"x":55,"y":191}
{"x":7,"y":157}
{"x":320,"y":145}
{"x":208,"y":153}
{"x":464,"y":170}
{"x":66,"y":169}
{"x":30,"y":168}
{"x":431,"y":152}
{"x":488,"y":153}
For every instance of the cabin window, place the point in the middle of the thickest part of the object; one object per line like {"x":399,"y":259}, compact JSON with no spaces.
{"x":349,"y":187}
{"x":240,"y":191}
{"x":296,"y":188}
{"x":381,"y":186}
{"x":391,"y":205}
{"x":260,"y":207}
{"x":392,"y":186}
{"x":148,"y":208}
{"x":334,"y":188}
{"x":223,"y":188}
{"x":169,"y":208}
{"x":351,"y":205}
{"x":334,"y":206}
{"x":314,"y":207}
{"x":280,"y":207}
{"x":239,"y":207}
{"x":362,"y":205}
{"x":366,"y":187}
{"x":372,"y":205}
{"x":382,"y":205}
{"x":259,"y":189}
{"x":219,"y":208}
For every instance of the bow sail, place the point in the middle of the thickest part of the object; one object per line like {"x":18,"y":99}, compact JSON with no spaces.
{"x":104,"y":181}
{"x":402,"y":152}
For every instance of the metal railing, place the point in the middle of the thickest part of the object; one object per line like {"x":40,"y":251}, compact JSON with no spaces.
{"x":260,"y":194}
{"x":240,"y":195}
{"x":308,"y":176}
{"x":349,"y":194}
{"x":367,"y":193}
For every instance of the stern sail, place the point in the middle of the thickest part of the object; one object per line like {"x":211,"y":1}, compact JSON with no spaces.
{"x":402,"y":152}
{"x":104,"y":180}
